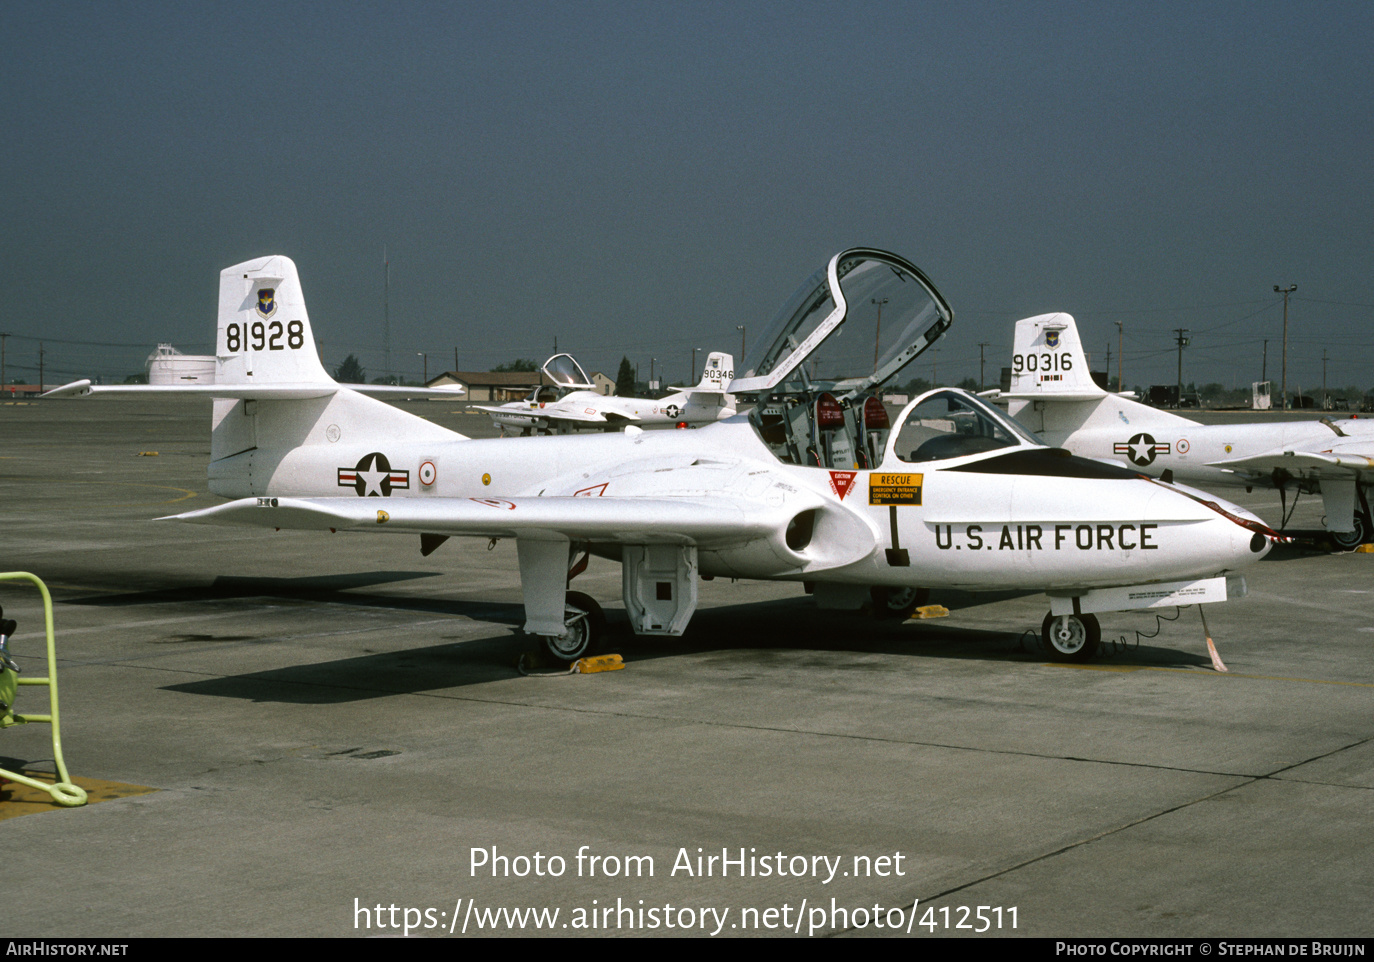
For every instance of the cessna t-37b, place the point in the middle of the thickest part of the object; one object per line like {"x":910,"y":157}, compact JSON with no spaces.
{"x":814,"y":485}
{"x":571,"y":402}
{"x":1054,"y":395}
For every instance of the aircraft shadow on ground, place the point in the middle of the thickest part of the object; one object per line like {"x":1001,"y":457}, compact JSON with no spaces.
{"x":756,"y":633}
{"x":331,"y":589}
{"x":1309,"y":544}
{"x":322,"y":587}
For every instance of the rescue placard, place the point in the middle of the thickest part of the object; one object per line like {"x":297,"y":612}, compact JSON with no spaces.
{"x":894,"y":488}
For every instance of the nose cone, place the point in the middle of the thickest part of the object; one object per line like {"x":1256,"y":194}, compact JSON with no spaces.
{"x":1239,"y":536}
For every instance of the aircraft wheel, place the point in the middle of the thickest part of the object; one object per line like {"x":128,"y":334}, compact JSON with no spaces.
{"x":1072,"y":638}
{"x":898,"y":603}
{"x":1350,"y":540}
{"x":586,"y":624}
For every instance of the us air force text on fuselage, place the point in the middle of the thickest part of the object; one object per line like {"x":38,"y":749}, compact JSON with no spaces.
{"x":1047,"y":537}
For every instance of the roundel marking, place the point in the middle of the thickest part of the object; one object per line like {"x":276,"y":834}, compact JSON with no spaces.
{"x":1142,"y":449}
{"x":1182,"y":446}
{"x":671,"y":410}
{"x":428,"y":473}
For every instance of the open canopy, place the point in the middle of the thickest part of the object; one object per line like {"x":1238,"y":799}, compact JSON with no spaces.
{"x":851,"y":326}
{"x":566,"y":372}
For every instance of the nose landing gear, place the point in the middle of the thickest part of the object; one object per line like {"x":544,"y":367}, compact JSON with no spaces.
{"x":1071,"y":638}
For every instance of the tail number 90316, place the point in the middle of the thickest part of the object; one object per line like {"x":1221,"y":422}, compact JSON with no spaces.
{"x":1041,"y":362}
{"x":264,"y":335}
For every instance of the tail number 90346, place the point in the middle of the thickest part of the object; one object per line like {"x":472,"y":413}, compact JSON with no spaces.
{"x":264,"y":335}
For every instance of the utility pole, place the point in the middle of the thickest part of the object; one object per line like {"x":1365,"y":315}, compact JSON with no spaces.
{"x":40,"y":367}
{"x":981,"y":345}
{"x":1119,"y":336}
{"x":1323,"y":379}
{"x":1264,"y":362}
{"x":692,"y":375}
{"x":2,"y":360}
{"x":386,"y":317}
{"x":1182,"y":343}
{"x":1108,"y":367}
{"x":426,"y":357}
{"x":1283,"y":384}
{"x":741,"y":330}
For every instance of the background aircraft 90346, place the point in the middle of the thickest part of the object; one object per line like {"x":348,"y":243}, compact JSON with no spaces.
{"x":1054,"y":395}
{"x":571,"y":402}
{"x":815,"y":484}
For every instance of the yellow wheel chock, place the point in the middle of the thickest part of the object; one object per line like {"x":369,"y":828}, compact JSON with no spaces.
{"x":63,"y":792}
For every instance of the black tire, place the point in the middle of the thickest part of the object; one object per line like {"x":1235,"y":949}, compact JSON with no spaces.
{"x":1078,"y":643}
{"x":1350,"y":540}
{"x":898,"y":603}
{"x":586,"y":624}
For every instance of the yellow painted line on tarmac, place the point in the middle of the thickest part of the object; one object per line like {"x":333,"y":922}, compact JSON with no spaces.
{"x":185,"y":493}
{"x":17,"y":799}
{"x":1212,"y":674}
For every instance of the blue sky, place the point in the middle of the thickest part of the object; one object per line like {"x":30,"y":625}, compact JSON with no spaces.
{"x":641,"y":178}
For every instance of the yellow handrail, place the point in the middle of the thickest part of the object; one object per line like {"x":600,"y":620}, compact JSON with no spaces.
{"x":63,"y":792}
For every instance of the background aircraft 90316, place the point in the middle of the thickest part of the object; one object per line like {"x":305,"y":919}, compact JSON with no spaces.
{"x":1054,"y":395}
{"x":815,"y":484}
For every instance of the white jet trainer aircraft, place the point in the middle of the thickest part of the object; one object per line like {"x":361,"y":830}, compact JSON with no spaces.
{"x":571,"y":402}
{"x":1053,"y":394}
{"x":814,"y":485}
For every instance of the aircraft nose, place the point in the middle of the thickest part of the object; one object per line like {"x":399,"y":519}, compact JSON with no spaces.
{"x":1251,"y":538}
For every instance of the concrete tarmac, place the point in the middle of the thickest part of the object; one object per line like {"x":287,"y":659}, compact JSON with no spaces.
{"x":337,"y":733}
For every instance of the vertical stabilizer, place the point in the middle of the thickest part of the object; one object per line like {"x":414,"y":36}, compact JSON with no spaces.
{"x":264,"y":334}
{"x":1048,"y":361}
{"x":718,"y":372}
{"x":1054,"y":395}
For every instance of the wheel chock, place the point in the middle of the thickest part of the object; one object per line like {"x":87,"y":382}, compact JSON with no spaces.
{"x":586,"y":666}
{"x":537,"y":664}
{"x":1365,"y":549}
{"x":930,"y":611}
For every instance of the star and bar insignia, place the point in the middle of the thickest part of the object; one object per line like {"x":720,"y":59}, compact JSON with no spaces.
{"x":374,"y":477}
{"x":1141,"y":449}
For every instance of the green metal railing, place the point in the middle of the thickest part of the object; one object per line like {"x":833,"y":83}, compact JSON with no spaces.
{"x":63,"y":792}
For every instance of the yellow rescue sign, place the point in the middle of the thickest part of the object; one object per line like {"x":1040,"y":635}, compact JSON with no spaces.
{"x":894,"y":488}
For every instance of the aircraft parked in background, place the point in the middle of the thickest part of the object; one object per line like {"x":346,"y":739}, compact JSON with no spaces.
{"x":814,"y":485}
{"x":1053,"y":394}
{"x":572,"y":402}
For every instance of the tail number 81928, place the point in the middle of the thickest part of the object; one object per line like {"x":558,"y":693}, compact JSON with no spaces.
{"x":262,"y":335}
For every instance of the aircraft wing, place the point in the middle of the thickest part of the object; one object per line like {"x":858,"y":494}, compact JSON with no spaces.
{"x":586,"y":416}
{"x":705,"y":522}
{"x":270,"y":391}
{"x":1339,"y":461}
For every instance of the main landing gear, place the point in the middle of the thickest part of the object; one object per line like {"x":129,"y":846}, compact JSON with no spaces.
{"x":1071,"y":637}
{"x":899,"y":603}
{"x":586,"y":629}
{"x":1350,"y":540}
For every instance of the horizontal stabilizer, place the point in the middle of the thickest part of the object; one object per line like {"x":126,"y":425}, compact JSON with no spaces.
{"x":283,"y":391}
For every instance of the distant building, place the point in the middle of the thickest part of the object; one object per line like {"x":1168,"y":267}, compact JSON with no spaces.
{"x":492,"y":385}
{"x":604,"y":385}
